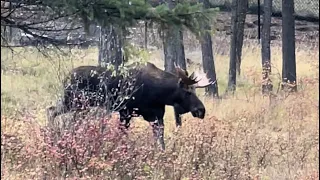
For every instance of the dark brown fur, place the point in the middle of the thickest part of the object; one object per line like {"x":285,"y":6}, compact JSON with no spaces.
{"x":153,"y":90}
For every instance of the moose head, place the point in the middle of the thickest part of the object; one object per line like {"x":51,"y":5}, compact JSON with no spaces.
{"x":188,"y":84}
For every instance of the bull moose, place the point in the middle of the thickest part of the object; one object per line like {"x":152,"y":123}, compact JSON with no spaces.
{"x":149,"y":90}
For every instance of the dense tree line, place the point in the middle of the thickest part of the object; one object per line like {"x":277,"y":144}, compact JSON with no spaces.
{"x":34,"y":18}
{"x":239,"y":10}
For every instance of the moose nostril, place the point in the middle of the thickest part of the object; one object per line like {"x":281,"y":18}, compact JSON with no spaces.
{"x":201,"y":113}
{"x":198,"y":112}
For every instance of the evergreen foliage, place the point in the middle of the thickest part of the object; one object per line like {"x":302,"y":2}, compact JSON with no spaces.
{"x":125,"y":13}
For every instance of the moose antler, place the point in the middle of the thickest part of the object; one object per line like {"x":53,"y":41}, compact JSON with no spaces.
{"x":197,"y":79}
{"x":203,"y":80}
{"x":183,"y":75}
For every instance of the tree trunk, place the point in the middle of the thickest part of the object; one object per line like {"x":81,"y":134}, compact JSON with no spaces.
{"x":241,"y":15}
{"x":239,"y":11}
{"x":6,"y":31}
{"x":233,"y":49}
{"x":174,"y":52}
{"x":169,"y":48}
{"x":110,"y":46}
{"x":181,"y":57}
{"x":265,"y":51}
{"x":173,"y":45}
{"x":173,"y":48}
{"x":288,"y":46}
{"x":207,"y":56}
{"x":146,"y":34}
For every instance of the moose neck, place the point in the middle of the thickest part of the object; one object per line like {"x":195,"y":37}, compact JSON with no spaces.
{"x":158,"y":86}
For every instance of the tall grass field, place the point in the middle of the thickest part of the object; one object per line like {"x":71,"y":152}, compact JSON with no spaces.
{"x":243,"y":136}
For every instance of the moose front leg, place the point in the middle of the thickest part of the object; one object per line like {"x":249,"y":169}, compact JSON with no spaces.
{"x":125,"y":117}
{"x":178,"y":111}
{"x":154,"y":115}
{"x":158,"y":132}
{"x":177,"y":118}
{"x":124,"y":125}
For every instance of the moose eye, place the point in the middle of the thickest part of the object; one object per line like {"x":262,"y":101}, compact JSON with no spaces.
{"x":188,"y":93}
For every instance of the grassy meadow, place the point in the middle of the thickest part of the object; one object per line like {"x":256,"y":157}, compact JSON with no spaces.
{"x":244,"y":136}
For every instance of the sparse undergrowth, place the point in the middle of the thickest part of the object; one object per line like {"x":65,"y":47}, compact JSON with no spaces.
{"x":246,"y":136}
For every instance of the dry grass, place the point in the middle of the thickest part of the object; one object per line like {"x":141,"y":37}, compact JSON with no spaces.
{"x":246,"y":136}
